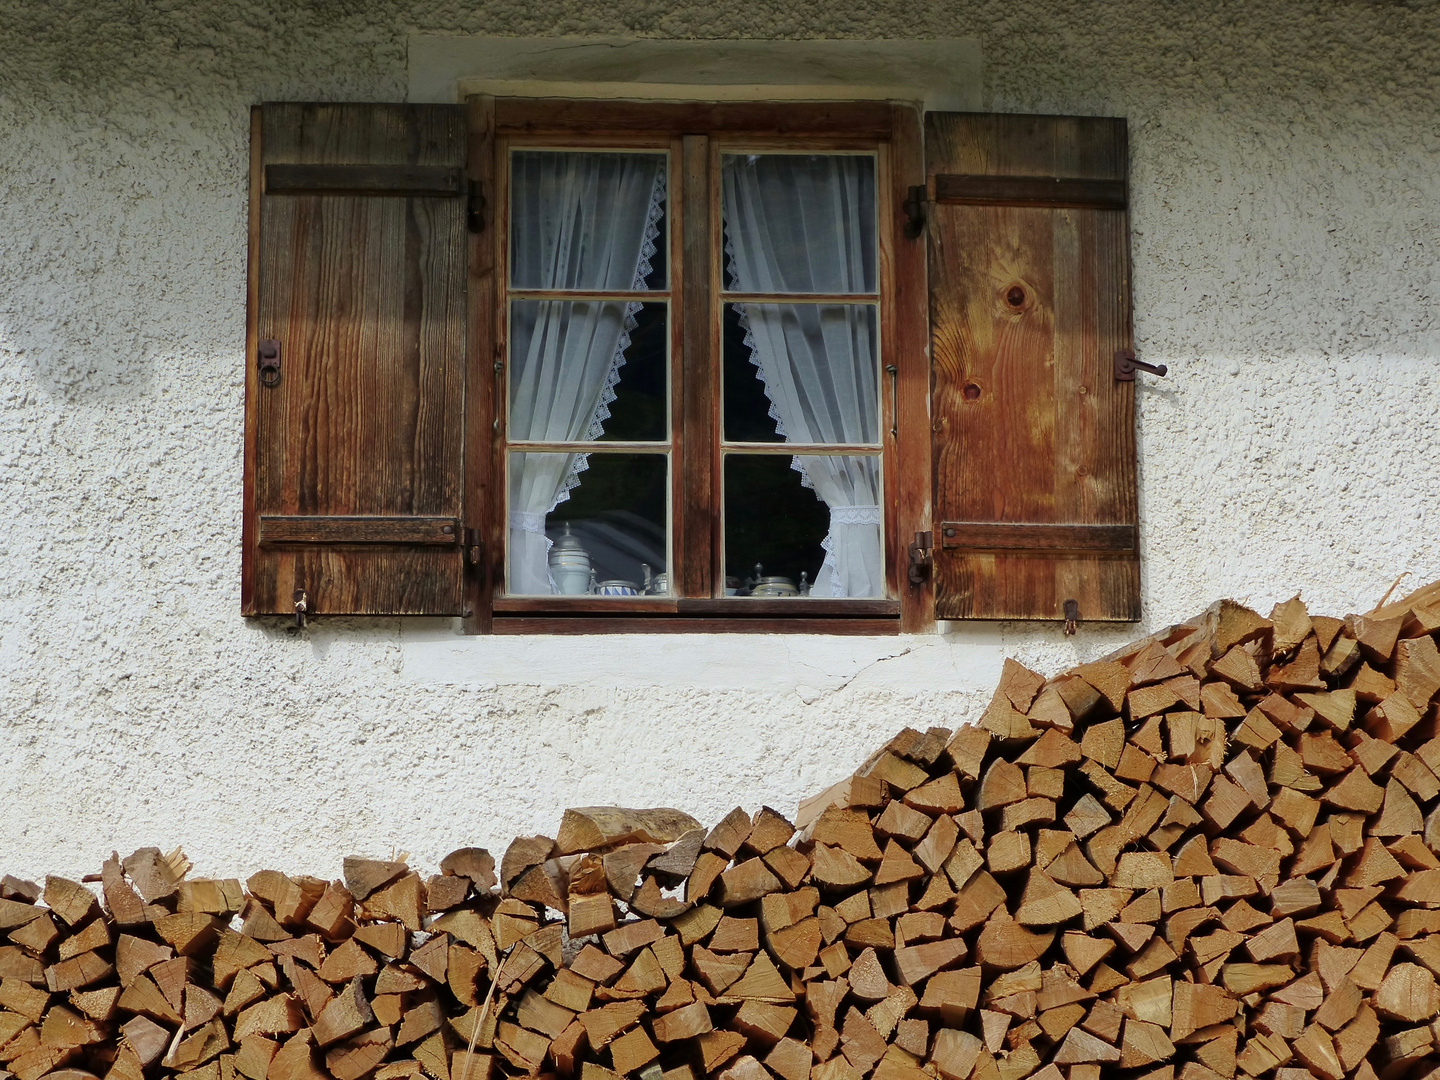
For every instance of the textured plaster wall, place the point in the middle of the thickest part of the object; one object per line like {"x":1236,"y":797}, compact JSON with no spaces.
{"x":1286,"y":178}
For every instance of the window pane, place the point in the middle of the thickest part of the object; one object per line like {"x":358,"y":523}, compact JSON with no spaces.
{"x":582,"y":370}
{"x":745,"y":409}
{"x":587,"y":220}
{"x":811,"y":523}
{"x":799,"y":222}
{"x":607,"y":532}
{"x":815,"y":369}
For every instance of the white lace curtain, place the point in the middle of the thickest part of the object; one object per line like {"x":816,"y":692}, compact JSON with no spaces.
{"x":578,"y":221}
{"x":796,"y":223}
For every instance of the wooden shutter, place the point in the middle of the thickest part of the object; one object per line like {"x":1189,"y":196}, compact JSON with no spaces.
{"x":1034,"y":438}
{"x":353,"y":469}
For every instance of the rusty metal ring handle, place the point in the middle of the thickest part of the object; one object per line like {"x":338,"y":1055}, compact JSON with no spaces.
{"x":269,"y":352}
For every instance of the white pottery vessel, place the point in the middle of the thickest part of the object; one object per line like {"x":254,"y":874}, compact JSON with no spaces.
{"x":775,"y":586}
{"x":617,"y":588}
{"x":570,"y":564}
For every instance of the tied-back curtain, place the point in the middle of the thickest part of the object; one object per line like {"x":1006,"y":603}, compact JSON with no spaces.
{"x":806,"y":224}
{"x":578,"y":221}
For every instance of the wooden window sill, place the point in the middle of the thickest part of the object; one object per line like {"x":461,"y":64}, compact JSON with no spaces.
{"x":673,"y":615}
{"x":727,"y":608}
{"x":627,"y":623}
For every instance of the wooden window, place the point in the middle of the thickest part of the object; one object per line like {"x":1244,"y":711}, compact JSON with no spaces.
{"x":755,"y":418}
{"x":582,"y":366}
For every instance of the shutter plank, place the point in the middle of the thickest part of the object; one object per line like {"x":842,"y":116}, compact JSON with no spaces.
{"x":1029,"y":300}
{"x":366,"y":296}
{"x":356,"y":581}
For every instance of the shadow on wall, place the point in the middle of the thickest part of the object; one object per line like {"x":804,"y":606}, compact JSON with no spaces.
{"x":78,"y":369}
{"x":123,"y":248}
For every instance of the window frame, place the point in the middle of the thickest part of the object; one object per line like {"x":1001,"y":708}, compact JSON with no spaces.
{"x":673,"y":298}
{"x":696,"y":136}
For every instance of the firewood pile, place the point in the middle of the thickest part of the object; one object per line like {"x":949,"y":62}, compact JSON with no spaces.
{"x":1213,"y":854}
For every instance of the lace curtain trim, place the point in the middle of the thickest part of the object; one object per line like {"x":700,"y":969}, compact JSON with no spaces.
{"x":843,"y":515}
{"x":743,"y":314}
{"x":528,"y":521}
{"x":855,"y":515}
{"x":643,"y":269}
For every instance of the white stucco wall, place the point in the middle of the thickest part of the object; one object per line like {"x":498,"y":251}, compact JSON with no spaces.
{"x":1286,"y":216}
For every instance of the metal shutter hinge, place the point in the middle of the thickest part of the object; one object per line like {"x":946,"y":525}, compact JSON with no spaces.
{"x":1126,"y":365}
{"x":894,"y":373}
{"x":302,"y":605}
{"x":914,"y":208}
{"x":474,"y":546}
{"x":1072,"y":617}
{"x":922,"y":557}
{"x":475,"y":207}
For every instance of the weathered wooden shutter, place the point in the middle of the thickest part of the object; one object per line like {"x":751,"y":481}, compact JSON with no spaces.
{"x":356,"y":369}
{"x":1034,"y":437}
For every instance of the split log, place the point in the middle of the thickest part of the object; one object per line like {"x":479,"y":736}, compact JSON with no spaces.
{"x":1213,"y":854}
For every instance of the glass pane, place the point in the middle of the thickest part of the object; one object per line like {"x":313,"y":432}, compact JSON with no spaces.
{"x":587,"y":220}
{"x":807,"y":525}
{"x":607,"y":533}
{"x":582,"y":370}
{"x":801,"y":373}
{"x":799,"y":222}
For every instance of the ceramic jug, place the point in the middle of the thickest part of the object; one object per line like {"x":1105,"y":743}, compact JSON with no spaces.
{"x":569,"y":564}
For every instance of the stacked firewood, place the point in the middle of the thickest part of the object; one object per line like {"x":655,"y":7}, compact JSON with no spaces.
{"x":1210,"y":855}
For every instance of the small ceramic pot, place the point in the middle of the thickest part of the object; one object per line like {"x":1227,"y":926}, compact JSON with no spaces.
{"x":617,"y":588}
{"x":775,"y":586}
